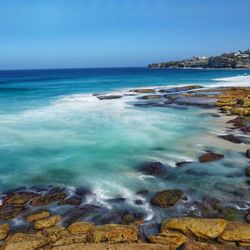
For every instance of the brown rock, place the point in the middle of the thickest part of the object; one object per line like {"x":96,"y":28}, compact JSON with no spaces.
{"x":194,"y":245}
{"x":19,"y":199}
{"x":210,"y":156}
{"x":80,"y":227}
{"x":236,"y":231}
{"x":123,"y":246}
{"x":114,"y":233}
{"x":38,"y":216}
{"x":54,"y":233}
{"x":70,"y":239}
{"x":248,"y":218}
{"x":231,"y":138}
{"x":47,"y":199}
{"x":248,"y":171}
{"x":169,"y":238}
{"x":47,"y":222}
{"x":142,"y":91}
{"x":10,"y":212}
{"x":248,"y":153}
{"x":4,"y":230}
{"x":166,"y":198}
{"x":24,"y":241}
{"x":202,"y":228}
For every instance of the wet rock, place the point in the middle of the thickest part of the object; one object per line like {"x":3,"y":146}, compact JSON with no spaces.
{"x":74,"y":200}
{"x":248,"y":153}
{"x":150,"y":97}
{"x":180,"y":89}
{"x":245,"y":129}
{"x":166,"y":198}
{"x":48,"y":199}
{"x":142,"y":193}
{"x":248,"y":171}
{"x":38,"y":215}
{"x":210,"y":156}
{"x":10,"y":212}
{"x":153,"y":168}
{"x":236,"y":231}
{"x":204,"y":115}
{"x":248,"y":218}
{"x":47,"y":222}
{"x":116,"y":200}
{"x":82,"y":192}
{"x":19,"y":199}
{"x":108,"y":97}
{"x":198,"y":173}
{"x":234,"y":175}
{"x":81,"y":227}
{"x":54,"y":233}
{"x":70,"y":239}
{"x":142,"y":91}
{"x":138,"y":202}
{"x":238,"y":121}
{"x":201,"y":228}
{"x":25,"y":242}
{"x":182,"y":163}
{"x":113,"y":233}
{"x":231,"y":138}
{"x":4,"y":230}
{"x":195,"y":245}
{"x":122,"y":246}
{"x":169,"y":238}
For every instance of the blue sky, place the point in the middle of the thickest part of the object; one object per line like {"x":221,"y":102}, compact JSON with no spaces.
{"x":106,"y":33}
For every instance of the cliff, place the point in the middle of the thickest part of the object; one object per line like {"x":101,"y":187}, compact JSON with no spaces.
{"x":233,"y":60}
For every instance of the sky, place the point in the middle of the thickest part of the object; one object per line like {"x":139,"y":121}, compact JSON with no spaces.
{"x":118,"y":33}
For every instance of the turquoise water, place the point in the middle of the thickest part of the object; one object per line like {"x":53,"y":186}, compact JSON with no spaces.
{"x":54,"y":131}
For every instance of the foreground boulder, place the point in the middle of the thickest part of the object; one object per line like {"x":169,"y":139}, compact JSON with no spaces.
{"x":24,"y":241}
{"x":166,"y":198}
{"x":79,"y":228}
{"x":19,"y":198}
{"x":169,"y":238}
{"x":201,"y":228}
{"x":4,"y":229}
{"x":47,"y":222}
{"x":236,"y":231}
{"x":112,"y":233}
{"x":210,"y":156}
{"x":38,"y":216}
{"x":194,"y":245}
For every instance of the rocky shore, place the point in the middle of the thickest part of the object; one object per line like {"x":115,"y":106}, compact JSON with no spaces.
{"x":58,"y":218}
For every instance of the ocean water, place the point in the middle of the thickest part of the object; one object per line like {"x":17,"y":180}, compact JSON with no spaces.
{"x":53,"y":131}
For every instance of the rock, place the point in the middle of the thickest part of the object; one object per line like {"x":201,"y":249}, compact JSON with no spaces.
{"x":47,"y":199}
{"x":248,"y":171}
{"x":153,"y":168}
{"x":38,"y":216}
{"x":138,"y":202}
{"x":108,"y":97}
{"x":114,"y":233}
{"x":210,"y":156}
{"x":142,"y":91}
{"x":19,"y":199}
{"x":10,"y":212}
{"x":169,"y":238}
{"x":248,"y":218}
{"x":201,"y":228}
{"x":238,"y":122}
{"x":194,"y":245}
{"x":236,"y":231}
{"x":248,"y":153}
{"x":81,"y":227}
{"x":47,"y":222}
{"x":116,"y":200}
{"x":74,"y":200}
{"x":70,"y":239}
{"x":142,"y":193}
{"x":150,"y":97}
{"x":123,"y":246}
{"x":245,"y":129}
{"x":231,"y":138}
{"x":24,"y":241}
{"x":4,"y":230}
{"x":54,"y":233}
{"x":182,"y":163}
{"x":166,"y":198}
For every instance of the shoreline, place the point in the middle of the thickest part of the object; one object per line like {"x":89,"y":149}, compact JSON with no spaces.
{"x":231,"y":101}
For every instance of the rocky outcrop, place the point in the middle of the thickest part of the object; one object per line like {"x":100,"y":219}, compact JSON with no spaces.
{"x":80,"y":227}
{"x":38,"y":216}
{"x":47,"y":222}
{"x":210,"y":156}
{"x":226,"y":60}
{"x":4,"y":230}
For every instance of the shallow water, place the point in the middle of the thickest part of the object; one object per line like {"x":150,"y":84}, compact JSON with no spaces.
{"x":53,"y":131}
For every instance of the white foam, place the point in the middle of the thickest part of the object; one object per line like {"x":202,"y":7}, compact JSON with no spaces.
{"x":234,"y":81}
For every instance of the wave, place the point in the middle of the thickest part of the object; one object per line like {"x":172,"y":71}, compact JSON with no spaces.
{"x":234,"y":81}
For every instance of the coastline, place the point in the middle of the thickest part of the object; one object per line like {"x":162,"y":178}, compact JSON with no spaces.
{"x":231,"y":101}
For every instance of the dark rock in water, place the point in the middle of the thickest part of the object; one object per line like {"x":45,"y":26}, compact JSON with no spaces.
{"x":239,"y":121}
{"x":116,"y":200}
{"x":209,"y":115}
{"x":196,"y":101}
{"x":231,"y":138}
{"x":142,"y":91}
{"x":142,"y":193}
{"x":166,"y":198}
{"x":74,"y":200}
{"x":182,"y":163}
{"x":108,"y":97}
{"x":154,"y":168}
{"x":248,"y":171}
{"x":198,"y":173}
{"x":234,"y":175}
{"x":48,"y":199}
{"x":82,"y":191}
{"x":19,"y":199}
{"x":10,"y":212}
{"x":180,"y":89}
{"x":210,"y":156}
{"x":56,"y":190}
{"x":248,"y":182}
{"x":248,"y":153}
{"x":245,"y":129}
{"x":150,"y":97}
{"x":138,"y":202}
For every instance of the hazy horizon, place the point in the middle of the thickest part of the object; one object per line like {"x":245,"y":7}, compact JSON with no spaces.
{"x":94,"y":34}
